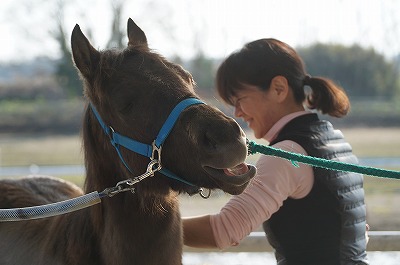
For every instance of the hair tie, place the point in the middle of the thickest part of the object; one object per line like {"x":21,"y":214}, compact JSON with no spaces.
{"x":306,"y":80}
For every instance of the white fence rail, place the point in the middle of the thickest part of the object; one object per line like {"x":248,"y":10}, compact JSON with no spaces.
{"x":257,"y":242}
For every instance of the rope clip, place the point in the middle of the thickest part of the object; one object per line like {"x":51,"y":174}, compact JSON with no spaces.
{"x":127,"y":185}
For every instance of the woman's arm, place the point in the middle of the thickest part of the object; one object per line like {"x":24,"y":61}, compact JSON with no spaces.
{"x":276,"y":180}
{"x":198,"y":232}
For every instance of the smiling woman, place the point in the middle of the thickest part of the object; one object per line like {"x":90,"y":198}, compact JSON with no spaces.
{"x":265,"y":82}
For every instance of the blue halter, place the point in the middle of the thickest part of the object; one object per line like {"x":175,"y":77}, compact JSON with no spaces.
{"x":152,"y":151}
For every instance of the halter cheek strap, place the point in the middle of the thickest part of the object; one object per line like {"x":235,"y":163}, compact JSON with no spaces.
{"x":151,"y":151}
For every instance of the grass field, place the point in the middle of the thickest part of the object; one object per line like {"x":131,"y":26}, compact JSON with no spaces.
{"x":382,"y":195}
{"x":40,"y":150}
{"x":66,"y":150}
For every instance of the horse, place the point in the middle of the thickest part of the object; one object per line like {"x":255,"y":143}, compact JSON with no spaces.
{"x":129,"y":93}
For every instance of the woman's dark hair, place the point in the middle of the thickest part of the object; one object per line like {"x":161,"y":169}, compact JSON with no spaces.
{"x":258,"y":62}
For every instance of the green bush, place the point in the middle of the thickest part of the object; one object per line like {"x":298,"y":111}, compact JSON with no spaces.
{"x":59,"y":116}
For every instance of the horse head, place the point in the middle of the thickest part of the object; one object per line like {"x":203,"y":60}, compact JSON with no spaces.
{"x":134,"y":90}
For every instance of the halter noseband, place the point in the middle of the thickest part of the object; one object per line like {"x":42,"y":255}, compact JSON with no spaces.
{"x":152,"y":151}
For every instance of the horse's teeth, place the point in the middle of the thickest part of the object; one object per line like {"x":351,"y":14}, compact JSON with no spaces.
{"x":237,"y":170}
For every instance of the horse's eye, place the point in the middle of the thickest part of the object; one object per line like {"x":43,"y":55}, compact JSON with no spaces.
{"x":126,"y":108}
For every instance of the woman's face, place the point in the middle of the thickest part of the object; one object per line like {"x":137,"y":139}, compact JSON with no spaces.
{"x":257,"y":108}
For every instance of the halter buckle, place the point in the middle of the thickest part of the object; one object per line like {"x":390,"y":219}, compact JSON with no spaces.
{"x":156,"y":153}
{"x":110,"y":134}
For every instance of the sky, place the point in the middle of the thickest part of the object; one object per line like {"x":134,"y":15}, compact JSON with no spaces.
{"x":216,"y":27}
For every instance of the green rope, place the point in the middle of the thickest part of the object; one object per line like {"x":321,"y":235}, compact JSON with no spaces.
{"x":322,"y":163}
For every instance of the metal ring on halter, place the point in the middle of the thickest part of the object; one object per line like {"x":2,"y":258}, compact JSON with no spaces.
{"x":202,"y":194}
{"x":156,"y":152}
{"x":153,"y":166}
{"x":111,"y":133}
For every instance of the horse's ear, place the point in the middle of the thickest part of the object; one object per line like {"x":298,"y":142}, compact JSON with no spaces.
{"x":85,"y":56}
{"x":136,"y":35}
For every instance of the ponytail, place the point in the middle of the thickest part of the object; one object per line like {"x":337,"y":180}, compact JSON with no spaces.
{"x":326,"y":97}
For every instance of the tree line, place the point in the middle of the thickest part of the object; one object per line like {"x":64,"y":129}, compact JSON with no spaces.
{"x":363,"y":73}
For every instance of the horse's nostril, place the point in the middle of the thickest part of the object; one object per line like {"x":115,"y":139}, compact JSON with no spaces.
{"x":218,"y":138}
{"x":210,"y":140}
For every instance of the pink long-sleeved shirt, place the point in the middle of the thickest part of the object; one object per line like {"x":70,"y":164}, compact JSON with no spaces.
{"x":275,"y":181}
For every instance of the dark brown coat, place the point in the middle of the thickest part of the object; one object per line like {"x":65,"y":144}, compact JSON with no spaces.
{"x":134,"y":90}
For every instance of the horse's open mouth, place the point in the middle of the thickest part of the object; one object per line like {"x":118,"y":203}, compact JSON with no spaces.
{"x":232,"y":180}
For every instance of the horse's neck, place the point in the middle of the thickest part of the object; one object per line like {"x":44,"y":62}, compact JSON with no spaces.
{"x":128,"y":225}
{"x":132,"y":226}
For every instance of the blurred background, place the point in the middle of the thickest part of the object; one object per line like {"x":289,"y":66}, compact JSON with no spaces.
{"x":356,"y":43}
